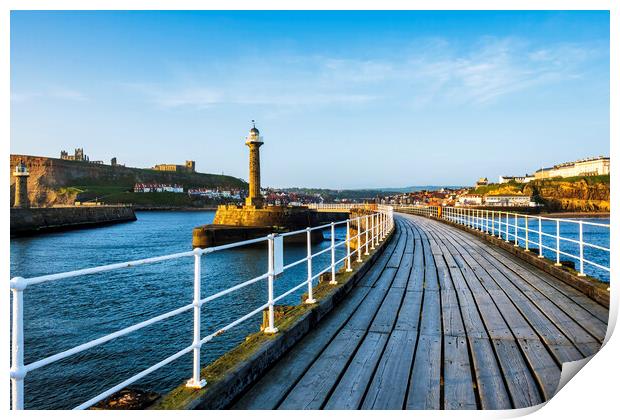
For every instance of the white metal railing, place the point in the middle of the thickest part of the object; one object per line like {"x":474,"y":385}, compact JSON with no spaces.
{"x":528,"y":231}
{"x":370,"y":230}
{"x":339,"y":206}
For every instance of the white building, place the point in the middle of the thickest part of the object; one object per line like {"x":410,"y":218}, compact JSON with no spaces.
{"x":518,"y":179}
{"x":470,"y":200}
{"x":508,"y":200}
{"x":585,"y":167}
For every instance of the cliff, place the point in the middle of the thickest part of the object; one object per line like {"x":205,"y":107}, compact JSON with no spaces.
{"x":577,"y":194}
{"x":56,"y":181}
{"x":571,"y":195}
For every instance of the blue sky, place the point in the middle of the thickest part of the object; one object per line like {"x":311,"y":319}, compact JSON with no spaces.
{"x":343,"y":99}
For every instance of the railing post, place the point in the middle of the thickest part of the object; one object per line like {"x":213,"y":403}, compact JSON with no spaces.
{"x":359,"y":239}
{"x":581,"y":272}
{"x":195,"y":381}
{"x":17,"y":346}
{"x":557,"y":243}
{"x":349,"y":269}
{"x":507,"y":225}
{"x":366,"y":231}
{"x":310,"y":299}
{"x":270,"y":329}
{"x":540,"y":241}
{"x":377,"y":228}
{"x":492,"y":222}
{"x":516,"y":230}
{"x":333,"y":232}
{"x":372,"y":232}
{"x":527,"y":238}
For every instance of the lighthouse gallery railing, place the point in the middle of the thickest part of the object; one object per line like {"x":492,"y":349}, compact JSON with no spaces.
{"x":370,"y":230}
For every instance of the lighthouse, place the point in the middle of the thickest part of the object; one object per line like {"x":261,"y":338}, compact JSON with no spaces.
{"x":21,"y":186}
{"x":254,"y":141}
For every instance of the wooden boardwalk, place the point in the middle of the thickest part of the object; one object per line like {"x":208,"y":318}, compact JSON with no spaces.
{"x":443,"y":320}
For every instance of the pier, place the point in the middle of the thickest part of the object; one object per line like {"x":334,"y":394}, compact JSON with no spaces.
{"x":429,"y":308}
{"x":445,"y":321}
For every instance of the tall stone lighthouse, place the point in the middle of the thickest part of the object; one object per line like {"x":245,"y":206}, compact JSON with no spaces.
{"x":254,"y":141}
{"x":21,"y":186}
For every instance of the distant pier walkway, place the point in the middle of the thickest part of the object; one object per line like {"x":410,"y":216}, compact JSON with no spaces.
{"x":443,"y":320}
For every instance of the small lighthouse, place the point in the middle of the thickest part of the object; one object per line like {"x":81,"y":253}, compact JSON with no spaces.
{"x":254,"y":141}
{"x":21,"y":186}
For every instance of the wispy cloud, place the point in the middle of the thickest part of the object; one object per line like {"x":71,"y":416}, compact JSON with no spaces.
{"x":435,"y":72}
{"x":55,"y":92}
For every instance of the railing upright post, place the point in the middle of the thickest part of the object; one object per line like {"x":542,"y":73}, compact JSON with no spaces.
{"x":557,"y":243}
{"x":507,"y":225}
{"x":17,"y":345}
{"x":492,"y":222}
{"x":581,"y":272}
{"x":333,"y":235}
{"x":359,"y":239}
{"x":349,"y":269}
{"x":271,"y":329}
{"x":527,"y":237}
{"x":367,"y":228}
{"x":540,"y":241}
{"x":377,"y":228}
{"x":372,"y":231}
{"x":310,"y":299}
{"x":195,"y":381}
{"x":516,"y":230}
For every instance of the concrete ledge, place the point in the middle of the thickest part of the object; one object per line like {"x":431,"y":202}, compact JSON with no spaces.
{"x":235,"y":371}
{"x":591,"y":287}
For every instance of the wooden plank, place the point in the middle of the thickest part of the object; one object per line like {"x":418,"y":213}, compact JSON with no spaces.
{"x":386,"y":315}
{"x":425,"y":382}
{"x":458,"y":384}
{"x":545,"y":370}
{"x":351,"y":388}
{"x":521,"y":383}
{"x":430,"y":323}
{"x":416,"y":278}
{"x":451,"y":314}
{"x":402,"y":275}
{"x":409,"y":314}
{"x":315,"y":385}
{"x":389,"y":383}
{"x":489,"y":377}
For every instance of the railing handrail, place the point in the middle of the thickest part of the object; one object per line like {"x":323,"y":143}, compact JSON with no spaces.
{"x":370,"y":229}
{"x":506,"y":224}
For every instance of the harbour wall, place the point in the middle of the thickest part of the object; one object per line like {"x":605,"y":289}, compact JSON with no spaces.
{"x":31,"y":221}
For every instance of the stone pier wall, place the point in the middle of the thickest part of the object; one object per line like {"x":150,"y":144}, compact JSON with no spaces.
{"x":38,"y":220}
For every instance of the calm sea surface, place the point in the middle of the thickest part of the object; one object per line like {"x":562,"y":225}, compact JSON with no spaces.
{"x":65,"y":313}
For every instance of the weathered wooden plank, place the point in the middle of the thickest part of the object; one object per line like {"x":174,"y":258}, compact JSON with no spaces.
{"x":416,"y":278}
{"x":489,"y":377}
{"x":430,"y":323}
{"x":521,"y":383}
{"x":425,"y":382}
{"x":409,"y":314}
{"x":386,"y":315}
{"x":402,"y":275}
{"x":545,"y":370}
{"x":458,"y":384}
{"x":451,"y":314}
{"x":313,"y":388}
{"x":351,"y":388}
{"x":389,"y":384}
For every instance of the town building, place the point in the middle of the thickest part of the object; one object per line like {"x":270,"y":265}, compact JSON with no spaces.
{"x":482,"y":182}
{"x":470,"y":200}
{"x":78,"y":155}
{"x":508,"y":200}
{"x":190,"y":166}
{"x":153,"y":187}
{"x":518,"y":179}
{"x":584,"y":167}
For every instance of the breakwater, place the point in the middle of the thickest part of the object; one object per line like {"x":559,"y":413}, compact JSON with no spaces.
{"x":40,"y":220}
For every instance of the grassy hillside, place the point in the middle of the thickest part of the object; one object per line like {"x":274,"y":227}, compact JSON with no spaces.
{"x":55,"y":181}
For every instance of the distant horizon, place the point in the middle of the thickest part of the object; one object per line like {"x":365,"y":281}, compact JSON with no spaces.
{"x":344,"y":99}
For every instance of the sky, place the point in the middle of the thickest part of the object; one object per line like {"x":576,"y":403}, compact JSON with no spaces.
{"x":343,"y":99}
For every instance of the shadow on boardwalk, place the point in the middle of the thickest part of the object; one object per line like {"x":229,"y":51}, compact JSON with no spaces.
{"x":442,"y":321}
